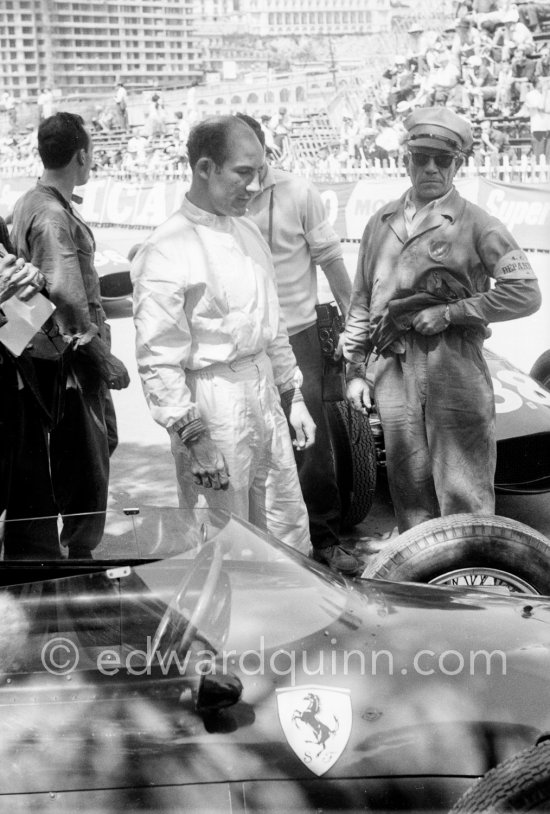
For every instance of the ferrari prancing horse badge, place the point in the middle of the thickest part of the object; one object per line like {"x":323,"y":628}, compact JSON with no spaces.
{"x":316,"y":722}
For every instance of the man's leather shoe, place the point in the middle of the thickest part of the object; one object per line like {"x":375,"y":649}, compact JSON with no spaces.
{"x":337,"y":559}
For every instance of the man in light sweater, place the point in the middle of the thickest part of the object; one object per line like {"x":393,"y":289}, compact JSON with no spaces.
{"x":292,"y":218}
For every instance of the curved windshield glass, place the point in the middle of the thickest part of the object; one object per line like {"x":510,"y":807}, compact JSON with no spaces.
{"x":163,"y":583}
{"x":245,"y":589}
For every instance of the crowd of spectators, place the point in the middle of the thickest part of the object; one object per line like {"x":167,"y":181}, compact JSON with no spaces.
{"x":135,"y":153}
{"x":491,"y":63}
{"x":19,"y":156}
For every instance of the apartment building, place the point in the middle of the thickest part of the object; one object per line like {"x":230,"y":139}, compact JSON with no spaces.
{"x":85,"y":47}
{"x":220,"y":23}
{"x":284,"y":17}
{"x":273,"y":18}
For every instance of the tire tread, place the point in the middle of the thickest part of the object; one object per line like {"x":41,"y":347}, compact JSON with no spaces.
{"x":354,"y":446}
{"x":515,"y":784}
{"x":440,"y":535}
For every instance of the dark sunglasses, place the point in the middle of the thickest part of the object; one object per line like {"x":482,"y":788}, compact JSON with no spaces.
{"x":442,"y":161}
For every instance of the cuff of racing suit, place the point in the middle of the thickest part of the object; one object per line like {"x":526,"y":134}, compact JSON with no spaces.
{"x":190,"y":415}
{"x":190,"y":430}
{"x":289,"y":397}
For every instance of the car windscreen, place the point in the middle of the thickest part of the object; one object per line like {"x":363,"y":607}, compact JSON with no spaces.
{"x":221,"y":586}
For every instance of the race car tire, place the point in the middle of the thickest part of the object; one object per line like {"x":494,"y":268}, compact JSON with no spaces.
{"x":468,"y":550}
{"x":521,"y":783}
{"x":354,"y":454}
{"x":540,"y":371}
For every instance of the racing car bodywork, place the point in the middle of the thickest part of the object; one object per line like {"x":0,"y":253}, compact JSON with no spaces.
{"x":523,"y":429}
{"x":523,"y":441}
{"x":209,"y":667}
{"x":114,"y":273}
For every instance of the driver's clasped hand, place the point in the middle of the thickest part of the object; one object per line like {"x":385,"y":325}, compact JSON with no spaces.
{"x":208,"y":466}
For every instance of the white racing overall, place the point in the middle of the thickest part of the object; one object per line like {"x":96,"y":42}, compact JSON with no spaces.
{"x":211,"y":346}
{"x":247,"y":423}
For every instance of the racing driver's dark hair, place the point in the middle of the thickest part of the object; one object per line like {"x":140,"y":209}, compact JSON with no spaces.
{"x":209,"y":139}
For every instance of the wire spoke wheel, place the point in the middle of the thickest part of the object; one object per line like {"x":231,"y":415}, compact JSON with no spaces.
{"x":489,"y":579}
{"x":487,"y":552}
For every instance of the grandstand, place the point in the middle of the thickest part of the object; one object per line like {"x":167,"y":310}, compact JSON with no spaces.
{"x":316,"y":144}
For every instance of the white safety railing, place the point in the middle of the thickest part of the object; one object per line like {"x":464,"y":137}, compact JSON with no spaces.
{"x":522,"y":170}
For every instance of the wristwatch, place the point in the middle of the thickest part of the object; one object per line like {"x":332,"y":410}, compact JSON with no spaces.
{"x":447,"y":315}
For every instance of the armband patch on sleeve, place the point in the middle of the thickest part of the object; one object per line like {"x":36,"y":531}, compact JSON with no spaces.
{"x":514,"y":266}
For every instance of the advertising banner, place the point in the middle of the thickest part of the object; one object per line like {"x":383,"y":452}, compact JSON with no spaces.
{"x":524,"y":209}
{"x":126,"y":203}
{"x":109,"y":201}
{"x":10,"y":190}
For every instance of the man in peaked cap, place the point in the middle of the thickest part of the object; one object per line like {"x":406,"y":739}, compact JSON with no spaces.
{"x":433,"y":271}
{"x":439,"y":129}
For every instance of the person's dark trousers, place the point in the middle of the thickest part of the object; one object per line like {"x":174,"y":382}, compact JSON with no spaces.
{"x":5,"y":437}
{"x":31,"y":531}
{"x":316,"y":464}
{"x":79,"y":455}
{"x":111,"y":423}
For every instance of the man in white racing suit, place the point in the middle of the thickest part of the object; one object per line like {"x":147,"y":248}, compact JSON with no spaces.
{"x":213,"y":351}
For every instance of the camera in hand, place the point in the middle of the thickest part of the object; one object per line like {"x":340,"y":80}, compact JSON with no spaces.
{"x":330,"y":325}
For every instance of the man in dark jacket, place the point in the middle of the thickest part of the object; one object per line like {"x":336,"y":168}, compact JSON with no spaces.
{"x":49,"y":231}
{"x":421,"y":302}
